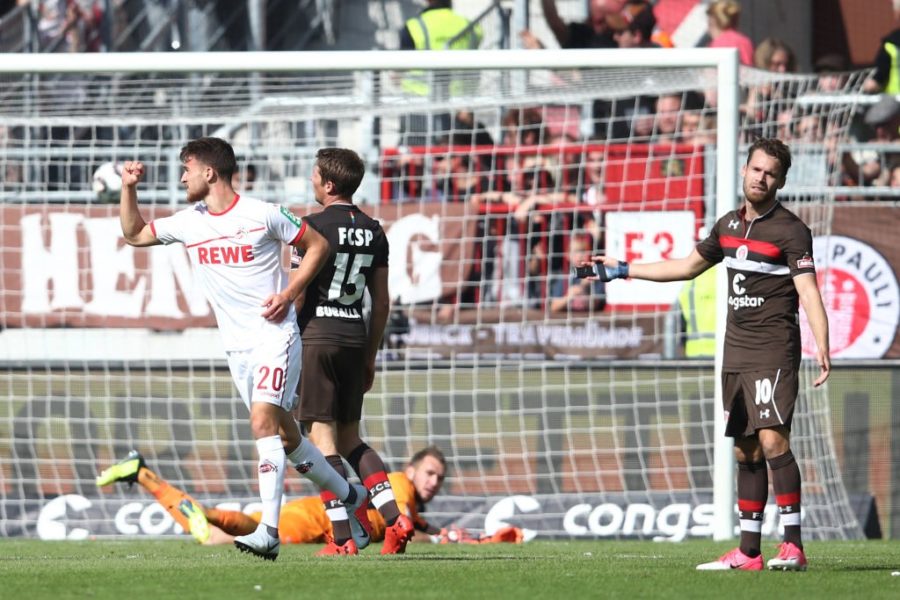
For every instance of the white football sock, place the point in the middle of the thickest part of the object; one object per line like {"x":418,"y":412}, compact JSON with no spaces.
{"x":310,"y":462}
{"x":271,"y":478}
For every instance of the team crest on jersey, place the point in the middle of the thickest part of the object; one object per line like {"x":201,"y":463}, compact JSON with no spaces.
{"x":241,"y":233}
{"x":742,"y":253}
{"x":805,"y":262}
{"x":861,"y":295}
{"x":291,"y":217}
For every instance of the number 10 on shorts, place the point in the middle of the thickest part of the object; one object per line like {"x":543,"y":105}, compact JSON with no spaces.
{"x":763,"y":391}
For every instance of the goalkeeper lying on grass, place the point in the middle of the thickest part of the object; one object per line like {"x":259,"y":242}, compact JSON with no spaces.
{"x":303,"y":521}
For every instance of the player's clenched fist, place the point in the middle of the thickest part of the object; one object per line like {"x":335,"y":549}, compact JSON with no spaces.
{"x":132,"y":172}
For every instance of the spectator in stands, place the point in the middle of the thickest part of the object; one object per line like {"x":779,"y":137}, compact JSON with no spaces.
{"x":243,"y":180}
{"x":722,"y":19}
{"x":886,"y":78}
{"x":784,"y":124}
{"x":624,"y":118}
{"x":11,"y":174}
{"x":775,"y":55}
{"x":668,"y":110}
{"x":870,"y":167}
{"x":810,"y":129}
{"x":658,"y":37}
{"x":594,"y":32}
{"x":466,"y":131}
{"x":462,"y":169}
{"x":643,"y":117}
{"x":671,"y":112}
{"x":592,"y":191}
{"x":569,"y":293}
{"x":768,"y":99}
{"x":69,"y":25}
{"x":894,"y":181}
{"x":832,"y":71}
{"x":522,"y":127}
{"x":634,"y":26}
{"x":884,"y":117}
{"x":810,"y":164}
{"x":530,"y":181}
{"x":698,"y":127}
{"x":458,"y":176}
{"x":697,"y":121}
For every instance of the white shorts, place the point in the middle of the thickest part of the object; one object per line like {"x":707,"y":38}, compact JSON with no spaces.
{"x":269,"y":372}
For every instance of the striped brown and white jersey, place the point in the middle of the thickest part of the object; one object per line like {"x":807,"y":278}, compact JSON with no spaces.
{"x":762,"y":257}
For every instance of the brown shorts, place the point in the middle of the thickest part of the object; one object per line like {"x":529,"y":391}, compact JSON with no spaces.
{"x":758,"y":400}
{"x":331,"y":383}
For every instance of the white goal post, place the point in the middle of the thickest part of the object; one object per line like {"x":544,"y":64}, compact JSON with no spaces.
{"x":90,"y":355}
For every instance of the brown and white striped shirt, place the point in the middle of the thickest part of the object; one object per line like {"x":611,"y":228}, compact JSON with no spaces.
{"x":762,"y":257}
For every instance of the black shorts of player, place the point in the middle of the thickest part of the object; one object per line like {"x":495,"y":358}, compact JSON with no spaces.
{"x":331,"y":383}
{"x":758,"y":400}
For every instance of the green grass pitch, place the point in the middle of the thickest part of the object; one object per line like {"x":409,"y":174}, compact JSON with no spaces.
{"x":133,"y":570}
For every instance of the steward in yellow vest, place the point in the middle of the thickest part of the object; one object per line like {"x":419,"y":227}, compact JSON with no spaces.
{"x":886,"y":76}
{"x":436,"y":28}
{"x":697,"y":304}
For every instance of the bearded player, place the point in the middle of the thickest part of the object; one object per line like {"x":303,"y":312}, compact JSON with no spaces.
{"x":767,"y":251}
{"x":304,"y":521}
{"x":235,"y":246}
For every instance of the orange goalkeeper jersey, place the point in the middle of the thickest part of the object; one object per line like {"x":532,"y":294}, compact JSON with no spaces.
{"x":303,"y":521}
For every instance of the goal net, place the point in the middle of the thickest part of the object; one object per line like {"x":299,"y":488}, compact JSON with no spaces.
{"x":566,"y":409}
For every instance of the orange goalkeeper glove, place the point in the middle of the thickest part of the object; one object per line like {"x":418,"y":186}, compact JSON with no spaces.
{"x":512,"y":535}
{"x":453,"y":535}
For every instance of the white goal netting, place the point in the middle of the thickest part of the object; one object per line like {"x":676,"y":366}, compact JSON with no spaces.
{"x":569,"y":411}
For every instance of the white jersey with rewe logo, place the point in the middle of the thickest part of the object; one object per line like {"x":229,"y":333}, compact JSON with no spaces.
{"x":237,"y":259}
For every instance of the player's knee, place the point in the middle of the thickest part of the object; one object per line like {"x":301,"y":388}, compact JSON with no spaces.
{"x":349,"y":442}
{"x":749,"y":455}
{"x":776,"y":448}
{"x":263,"y":425}
{"x":774,"y":442}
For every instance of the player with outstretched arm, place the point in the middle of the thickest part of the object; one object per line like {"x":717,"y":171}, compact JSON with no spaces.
{"x":767,"y":251}
{"x":235,"y":246}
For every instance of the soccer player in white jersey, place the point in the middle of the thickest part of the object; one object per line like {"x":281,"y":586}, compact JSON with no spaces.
{"x":235,"y":246}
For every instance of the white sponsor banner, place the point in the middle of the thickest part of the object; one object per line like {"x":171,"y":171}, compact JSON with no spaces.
{"x":641,"y":237}
{"x":660,"y":517}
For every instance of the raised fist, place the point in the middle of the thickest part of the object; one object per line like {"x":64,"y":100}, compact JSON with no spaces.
{"x":132,"y":172}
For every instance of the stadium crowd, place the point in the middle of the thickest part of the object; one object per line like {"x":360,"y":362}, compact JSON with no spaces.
{"x":540,"y":174}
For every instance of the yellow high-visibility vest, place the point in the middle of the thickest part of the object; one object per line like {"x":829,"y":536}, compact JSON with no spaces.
{"x":893,"y":83}
{"x":434,"y":30}
{"x":697,"y":302}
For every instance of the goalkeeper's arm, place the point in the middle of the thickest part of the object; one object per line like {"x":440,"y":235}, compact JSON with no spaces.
{"x":666,"y":270}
